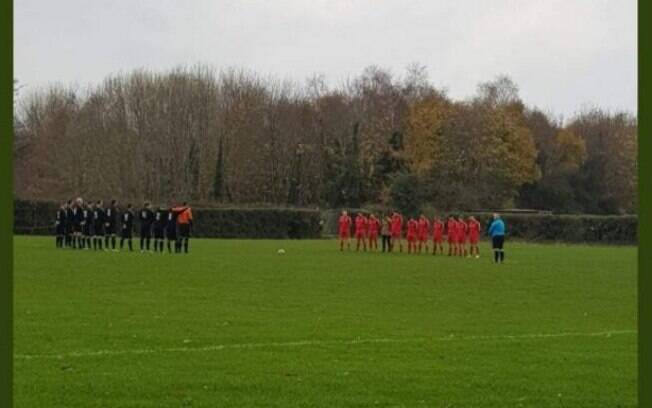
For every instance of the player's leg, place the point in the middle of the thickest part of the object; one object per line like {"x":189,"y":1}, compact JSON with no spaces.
{"x":494,"y":247}
{"x":142,"y":240}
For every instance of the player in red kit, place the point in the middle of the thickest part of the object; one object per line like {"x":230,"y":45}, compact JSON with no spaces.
{"x":345,"y":230}
{"x":373,"y":227}
{"x":397,"y":230}
{"x":437,"y":236}
{"x":462,"y":236}
{"x":474,"y":236}
{"x":361,"y":231}
{"x":412,"y":231}
{"x":451,"y":232}
{"x":423,"y":230}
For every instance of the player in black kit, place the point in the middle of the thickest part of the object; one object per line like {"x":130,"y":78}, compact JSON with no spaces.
{"x":146,"y":220}
{"x":98,"y":225}
{"x":60,"y":226}
{"x":110,"y":223}
{"x":77,"y":217}
{"x":160,"y":222}
{"x":87,"y":225}
{"x":127,"y":224}
{"x":171,"y":230}
{"x":68,"y":226}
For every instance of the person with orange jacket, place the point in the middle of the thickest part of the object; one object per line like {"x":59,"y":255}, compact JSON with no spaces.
{"x":184,"y":224}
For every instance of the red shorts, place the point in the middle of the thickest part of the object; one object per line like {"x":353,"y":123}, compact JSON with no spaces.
{"x":373,"y":235}
{"x":396,"y":234}
{"x":423,"y":237}
{"x":473,"y":239}
{"x":461,"y":239}
{"x":451,"y":239}
{"x":345,"y":234}
{"x":437,"y":238}
{"x":411,"y":237}
{"x":360,"y":234}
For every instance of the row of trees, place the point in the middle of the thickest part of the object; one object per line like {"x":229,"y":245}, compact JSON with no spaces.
{"x":236,"y":137}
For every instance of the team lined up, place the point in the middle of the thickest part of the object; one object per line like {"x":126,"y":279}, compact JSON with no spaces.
{"x":88,"y":225}
{"x":462,"y":234}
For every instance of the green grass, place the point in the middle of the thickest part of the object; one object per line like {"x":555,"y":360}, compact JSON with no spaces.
{"x":236,"y":324}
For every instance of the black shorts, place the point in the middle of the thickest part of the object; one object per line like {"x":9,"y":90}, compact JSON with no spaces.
{"x":497,"y":242}
{"x":171,"y":233}
{"x":67,"y":229}
{"x":86,"y":229}
{"x":76,"y":228}
{"x":110,"y":229}
{"x":146,"y":232}
{"x":61,"y":229}
{"x":159,"y":232}
{"x":125,"y":233}
{"x":184,"y":230}
{"x":98,"y":229}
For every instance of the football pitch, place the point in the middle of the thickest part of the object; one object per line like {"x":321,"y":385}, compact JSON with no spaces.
{"x":234,"y":324}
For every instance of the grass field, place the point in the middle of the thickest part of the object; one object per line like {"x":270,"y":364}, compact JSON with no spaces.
{"x":234,"y":324}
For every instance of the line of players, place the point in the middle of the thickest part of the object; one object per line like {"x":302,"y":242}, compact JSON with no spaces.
{"x":418,"y":233}
{"x":88,"y":225}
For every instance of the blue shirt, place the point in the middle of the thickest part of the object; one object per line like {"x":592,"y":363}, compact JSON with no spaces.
{"x":497,"y":228}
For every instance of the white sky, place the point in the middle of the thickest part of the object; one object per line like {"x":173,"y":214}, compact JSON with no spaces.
{"x":564,"y":55}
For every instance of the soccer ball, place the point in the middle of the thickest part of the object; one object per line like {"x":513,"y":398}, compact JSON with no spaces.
{"x":280,"y":251}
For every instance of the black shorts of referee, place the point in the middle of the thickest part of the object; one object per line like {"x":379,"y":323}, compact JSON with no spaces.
{"x":498,"y":241}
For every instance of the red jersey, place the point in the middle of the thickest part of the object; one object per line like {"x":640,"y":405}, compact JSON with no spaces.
{"x":423,"y":227}
{"x":474,"y":228}
{"x":374,"y":225}
{"x":397,"y":223}
{"x":451,"y":229}
{"x":412,"y":227}
{"x":345,"y":223}
{"x":360,"y":224}
{"x":462,"y":230}
{"x":437,"y":229}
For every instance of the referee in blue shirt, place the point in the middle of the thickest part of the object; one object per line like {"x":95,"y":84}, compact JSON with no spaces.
{"x":497,"y":233}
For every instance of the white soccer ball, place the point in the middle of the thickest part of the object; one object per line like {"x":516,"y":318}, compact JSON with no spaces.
{"x":280,"y":251}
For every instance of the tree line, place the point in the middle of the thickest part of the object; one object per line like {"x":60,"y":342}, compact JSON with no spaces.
{"x":233,"y":137}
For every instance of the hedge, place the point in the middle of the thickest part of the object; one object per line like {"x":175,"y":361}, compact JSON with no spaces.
{"x":37,"y":218}
{"x":616,"y":229}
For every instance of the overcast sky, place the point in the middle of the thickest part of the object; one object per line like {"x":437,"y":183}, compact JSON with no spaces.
{"x":563,"y":54}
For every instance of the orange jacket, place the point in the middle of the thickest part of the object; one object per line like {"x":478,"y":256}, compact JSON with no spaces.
{"x":185,"y":215}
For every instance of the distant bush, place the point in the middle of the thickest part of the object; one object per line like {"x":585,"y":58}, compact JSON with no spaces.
{"x":37,"y":218}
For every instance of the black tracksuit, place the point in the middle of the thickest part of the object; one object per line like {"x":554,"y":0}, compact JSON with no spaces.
{"x":127,"y":227}
{"x":146,"y":220}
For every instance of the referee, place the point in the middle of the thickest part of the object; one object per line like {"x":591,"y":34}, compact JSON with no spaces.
{"x":497,"y":233}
